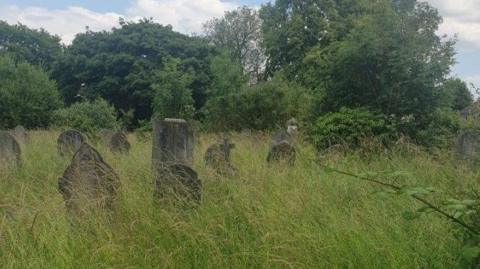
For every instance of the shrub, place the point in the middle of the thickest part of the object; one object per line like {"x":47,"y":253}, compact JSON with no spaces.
{"x":441,"y":130}
{"x":347,"y":127}
{"x":87,"y":117}
{"x":267,"y":105}
{"x":27,"y":96}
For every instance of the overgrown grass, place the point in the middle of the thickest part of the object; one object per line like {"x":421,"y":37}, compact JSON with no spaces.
{"x":265,"y":217}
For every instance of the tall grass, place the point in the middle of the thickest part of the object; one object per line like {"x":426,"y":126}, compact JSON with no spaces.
{"x":264,"y":217}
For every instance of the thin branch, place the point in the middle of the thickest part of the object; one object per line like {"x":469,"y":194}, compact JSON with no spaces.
{"x":414,"y":196}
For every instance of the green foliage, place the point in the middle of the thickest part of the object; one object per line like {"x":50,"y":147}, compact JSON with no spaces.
{"x":441,"y":130}
{"x":239,"y":33}
{"x":346,"y":127}
{"x":36,"y":47}
{"x":88,"y":117}
{"x":267,"y":105}
{"x":455,"y":94}
{"x":173,"y":96}
{"x":120,"y":65}
{"x":27,"y":96}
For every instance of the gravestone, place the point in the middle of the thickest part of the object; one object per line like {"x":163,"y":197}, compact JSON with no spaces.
{"x":69,"y":142}
{"x":292,"y":127}
{"x":217,"y":156}
{"x":106,"y":136}
{"x":468,"y":145}
{"x":10,"y":152}
{"x":282,"y":152}
{"x":20,"y":134}
{"x":88,"y":182}
{"x":119,"y":143}
{"x":279,"y":136}
{"x":172,"y":158}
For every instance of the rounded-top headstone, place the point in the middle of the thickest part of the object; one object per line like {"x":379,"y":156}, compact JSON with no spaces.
{"x":280,"y":136}
{"x":282,"y":152}
{"x":69,"y":142}
{"x":106,"y":136}
{"x":217,"y":156}
{"x":88,"y":181}
{"x":119,"y":142}
{"x":10,"y":152}
{"x":179,"y":180}
{"x":20,"y":134}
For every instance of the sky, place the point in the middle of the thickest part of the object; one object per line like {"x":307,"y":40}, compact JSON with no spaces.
{"x":68,"y":17}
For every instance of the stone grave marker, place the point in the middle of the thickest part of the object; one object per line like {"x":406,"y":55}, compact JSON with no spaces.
{"x":10,"y":151}
{"x":88,"y":182}
{"x":69,"y":142}
{"x":20,"y":134}
{"x":172,"y":158}
{"x":119,"y":142}
{"x":217,"y":156}
{"x":106,"y":136}
{"x":468,"y":145}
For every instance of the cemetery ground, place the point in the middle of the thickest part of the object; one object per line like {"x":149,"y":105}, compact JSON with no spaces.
{"x":265,"y":216}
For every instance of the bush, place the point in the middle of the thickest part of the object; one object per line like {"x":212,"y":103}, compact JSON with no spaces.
{"x":265,"y":106}
{"x":27,"y":96}
{"x":87,"y":117}
{"x":347,"y":127}
{"x":441,"y":130}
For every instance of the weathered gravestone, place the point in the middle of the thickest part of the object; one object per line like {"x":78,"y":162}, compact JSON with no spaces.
{"x":88,"y":182}
{"x":292,"y":127}
{"x":20,"y":134}
{"x":69,"y":142}
{"x":119,"y":142}
{"x":172,"y":158}
{"x":217,"y":156}
{"x":281,"y":149}
{"x":106,"y":136}
{"x":10,"y":152}
{"x":468,"y":145}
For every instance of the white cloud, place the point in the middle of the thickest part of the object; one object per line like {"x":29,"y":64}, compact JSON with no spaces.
{"x":184,"y":15}
{"x":64,"y":22}
{"x":460,"y":17}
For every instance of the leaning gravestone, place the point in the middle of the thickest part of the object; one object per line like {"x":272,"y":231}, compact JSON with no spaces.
{"x":10,"y":152}
{"x":88,"y":182}
{"x":69,"y":142}
{"x":217,"y":156}
{"x":468,"y":145}
{"x":20,"y":134}
{"x":172,"y":158}
{"x":119,"y":142}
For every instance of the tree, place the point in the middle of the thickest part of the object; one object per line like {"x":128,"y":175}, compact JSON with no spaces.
{"x":239,"y":32}
{"x":36,"y":47}
{"x":456,"y":94}
{"x":228,"y":80}
{"x":27,"y":96}
{"x":173,"y":96}
{"x":120,"y":65}
{"x":291,"y":28}
{"x":391,"y":62}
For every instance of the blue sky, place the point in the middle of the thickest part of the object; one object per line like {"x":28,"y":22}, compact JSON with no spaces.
{"x":68,"y":17}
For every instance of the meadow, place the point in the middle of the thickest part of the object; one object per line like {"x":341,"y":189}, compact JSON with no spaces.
{"x":263,"y":217}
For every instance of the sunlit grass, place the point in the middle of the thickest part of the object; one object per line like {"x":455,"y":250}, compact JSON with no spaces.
{"x":264,"y":217}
